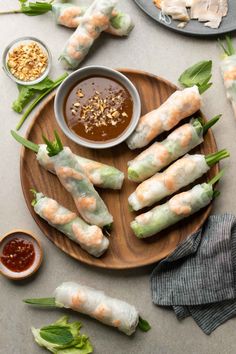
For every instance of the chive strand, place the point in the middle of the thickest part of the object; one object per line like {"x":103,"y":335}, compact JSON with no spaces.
{"x":216,"y":178}
{"x":25,"y":142}
{"x":210,"y":123}
{"x":42,"y":302}
{"x":212,"y":159}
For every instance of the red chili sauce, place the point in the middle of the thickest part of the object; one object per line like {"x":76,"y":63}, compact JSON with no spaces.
{"x":98,"y":109}
{"x":18,"y":254}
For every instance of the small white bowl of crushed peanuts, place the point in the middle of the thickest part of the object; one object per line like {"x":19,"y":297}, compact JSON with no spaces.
{"x":27,"y":60}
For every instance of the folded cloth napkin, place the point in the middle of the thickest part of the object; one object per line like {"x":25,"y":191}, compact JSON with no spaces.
{"x":199,"y":278}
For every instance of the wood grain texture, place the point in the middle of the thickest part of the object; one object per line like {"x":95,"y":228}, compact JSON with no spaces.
{"x":125,"y":251}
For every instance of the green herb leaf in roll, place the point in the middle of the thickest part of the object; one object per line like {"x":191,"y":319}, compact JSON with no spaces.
{"x":161,"y":154}
{"x":177,"y":208}
{"x":181,"y":104}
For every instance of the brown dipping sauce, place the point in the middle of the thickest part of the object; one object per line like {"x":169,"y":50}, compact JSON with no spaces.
{"x":18,"y":255}
{"x":98,"y":109}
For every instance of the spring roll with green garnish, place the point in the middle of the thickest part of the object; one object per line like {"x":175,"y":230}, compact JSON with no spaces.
{"x":177,"y":208}
{"x":228,"y":70}
{"x":96,"y":304}
{"x":94,"y":21}
{"x":89,"y":237}
{"x":73,"y":178}
{"x":100,"y":174}
{"x":180,"y":174}
{"x":161,"y":154}
{"x":181,"y":104}
{"x":70,"y":15}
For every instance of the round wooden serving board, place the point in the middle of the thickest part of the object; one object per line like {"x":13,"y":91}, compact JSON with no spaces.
{"x":125,"y":251}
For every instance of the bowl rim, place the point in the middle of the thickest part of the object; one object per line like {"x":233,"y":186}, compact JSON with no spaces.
{"x":116,"y":75}
{"x":40,"y":249}
{"x":7,"y":50}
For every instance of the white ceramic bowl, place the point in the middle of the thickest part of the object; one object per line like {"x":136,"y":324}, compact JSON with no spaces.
{"x":28,"y":236}
{"x":16,"y":43}
{"x":81,"y":74}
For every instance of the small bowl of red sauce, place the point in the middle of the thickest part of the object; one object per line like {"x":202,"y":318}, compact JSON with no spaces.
{"x":20,"y":254}
{"x":97,"y":107}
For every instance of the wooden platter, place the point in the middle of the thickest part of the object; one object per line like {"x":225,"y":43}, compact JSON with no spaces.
{"x":125,"y":251}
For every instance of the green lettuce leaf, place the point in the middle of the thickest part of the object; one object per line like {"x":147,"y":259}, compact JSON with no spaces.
{"x":35,"y":8}
{"x":62,"y":337}
{"x":27,"y":93}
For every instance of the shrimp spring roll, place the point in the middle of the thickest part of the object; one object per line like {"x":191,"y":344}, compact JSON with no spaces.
{"x":177,"y":208}
{"x":71,"y":175}
{"x":90,"y":238}
{"x":69,"y":15}
{"x":99,"y":174}
{"x":96,"y":304}
{"x":180,"y":105}
{"x":161,"y":154}
{"x":228,"y":69}
{"x":94,"y":21}
{"x":181,"y":173}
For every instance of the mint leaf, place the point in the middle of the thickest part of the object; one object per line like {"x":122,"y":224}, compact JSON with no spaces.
{"x":62,"y":337}
{"x":56,"y":334}
{"x":143,"y":325}
{"x":199,"y":74}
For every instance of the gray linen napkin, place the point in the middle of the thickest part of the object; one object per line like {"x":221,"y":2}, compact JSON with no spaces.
{"x":199,"y":278}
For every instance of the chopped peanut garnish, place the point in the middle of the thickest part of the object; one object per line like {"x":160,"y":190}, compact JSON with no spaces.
{"x":27,"y":62}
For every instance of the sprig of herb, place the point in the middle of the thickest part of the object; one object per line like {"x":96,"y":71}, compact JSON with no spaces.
{"x":143,"y":325}
{"x":116,"y":20}
{"x":212,"y":159}
{"x":42,"y":93}
{"x":63,"y":337}
{"x":27,"y":93}
{"x":199,"y":74}
{"x":31,"y":8}
{"x":55,"y":146}
{"x":229,"y":48}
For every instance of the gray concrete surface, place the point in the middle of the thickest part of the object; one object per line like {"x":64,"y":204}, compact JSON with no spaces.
{"x":154,"y":49}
